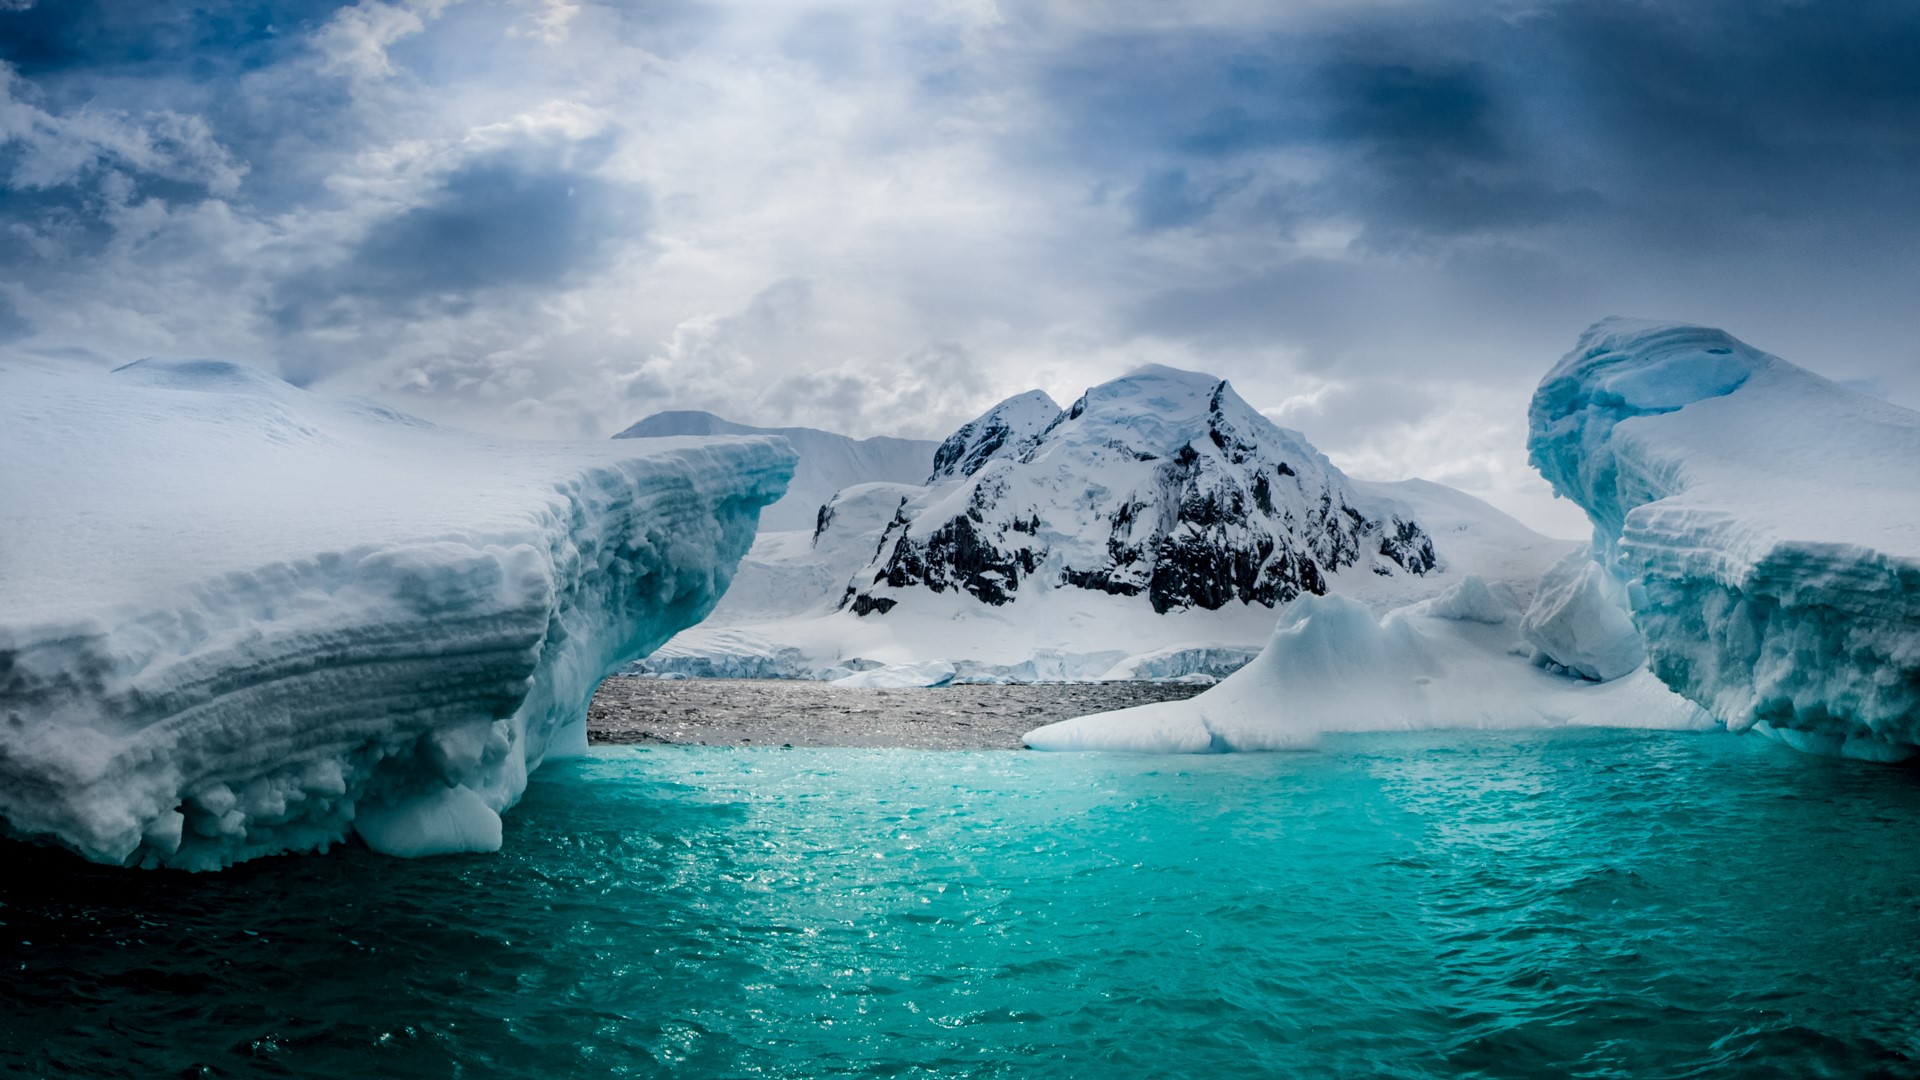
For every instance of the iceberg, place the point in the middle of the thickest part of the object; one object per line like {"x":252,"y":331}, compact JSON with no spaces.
{"x":1452,"y":661}
{"x":240,"y":618}
{"x":1764,"y":523}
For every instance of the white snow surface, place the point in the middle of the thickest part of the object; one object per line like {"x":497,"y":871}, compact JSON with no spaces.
{"x":828,"y":461}
{"x":238,"y":618}
{"x":1764,"y":520}
{"x":1452,"y":661}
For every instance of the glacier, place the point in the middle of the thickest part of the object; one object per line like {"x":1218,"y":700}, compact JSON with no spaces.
{"x":241,"y":618}
{"x":1763,"y":522}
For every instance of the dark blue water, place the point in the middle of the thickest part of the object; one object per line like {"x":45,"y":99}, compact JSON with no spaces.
{"x":1589,"y":904}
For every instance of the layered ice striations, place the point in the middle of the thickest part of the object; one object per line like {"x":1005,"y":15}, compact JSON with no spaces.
{"x":1765,"y":522}
{"x":242,"y":619}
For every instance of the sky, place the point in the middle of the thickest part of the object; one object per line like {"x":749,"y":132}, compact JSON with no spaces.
{"x":1383,"y":220}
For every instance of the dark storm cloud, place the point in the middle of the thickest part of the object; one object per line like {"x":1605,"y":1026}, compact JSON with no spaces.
{"x":870,"y":216}
{"x":1456,"y":122}
{"x":207,"y":38}
{"x":1170,"y":199}
{"x":12,"y":326}
{"x":502,"y":222}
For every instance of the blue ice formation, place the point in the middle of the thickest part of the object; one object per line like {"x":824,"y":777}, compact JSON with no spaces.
{"x":1764,"y":521}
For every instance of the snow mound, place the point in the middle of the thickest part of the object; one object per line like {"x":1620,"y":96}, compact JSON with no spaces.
{"x":242,"y":619}
{"x":1578,"y":622}
{"x":828,"y":461}
{"x":1765,"y":522}
{"x":900,"y":676}
{"x":1331,"y":665}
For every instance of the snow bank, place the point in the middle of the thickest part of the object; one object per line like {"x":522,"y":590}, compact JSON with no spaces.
{"x":1765,"y":522}
{"x":1180,"y":662}
{"x":240,"y":618}
{"x":1453,"y":661}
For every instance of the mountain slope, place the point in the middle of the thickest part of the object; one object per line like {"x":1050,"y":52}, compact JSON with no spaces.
{"x":828,"y":461}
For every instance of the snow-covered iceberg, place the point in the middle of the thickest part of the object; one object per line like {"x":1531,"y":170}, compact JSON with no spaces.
{"x":1453,"y":661}
{"x":1764,"y":521}
{"x":238,"y":618}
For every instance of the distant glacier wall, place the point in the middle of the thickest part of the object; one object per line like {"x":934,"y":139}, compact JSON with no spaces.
{"x":1765,"y":521}
{"x":243,"y":619}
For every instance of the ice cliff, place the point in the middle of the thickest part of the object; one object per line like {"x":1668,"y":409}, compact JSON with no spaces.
{"x":238,"y":618}
{"x":1765,"y":524}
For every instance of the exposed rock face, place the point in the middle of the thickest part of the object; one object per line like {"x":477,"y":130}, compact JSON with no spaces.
{"x":1163,"y":483}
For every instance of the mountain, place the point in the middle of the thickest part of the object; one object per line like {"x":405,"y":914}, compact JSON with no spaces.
{"x":1063,"y":479}
{"x":1163,"y":484}
{"x":828,"y":461}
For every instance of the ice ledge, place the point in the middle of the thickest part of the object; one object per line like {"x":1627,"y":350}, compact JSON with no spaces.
{"x":244,"y":619}
{"x":1765,"y":521}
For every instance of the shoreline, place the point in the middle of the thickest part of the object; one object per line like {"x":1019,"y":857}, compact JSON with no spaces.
{"x":802,"y":713}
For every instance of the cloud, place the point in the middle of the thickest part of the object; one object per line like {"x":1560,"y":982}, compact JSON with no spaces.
{"x":512,"y":219}
{"x":1170,"y":199}
{"x":1382,"y":220}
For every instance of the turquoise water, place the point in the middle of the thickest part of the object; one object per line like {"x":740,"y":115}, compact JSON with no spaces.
{"x":1590,"y":903}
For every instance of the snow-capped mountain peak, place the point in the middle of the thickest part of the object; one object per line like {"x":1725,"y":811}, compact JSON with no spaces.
{"x":1007,"y":430}
{"x":1163,"y":482}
